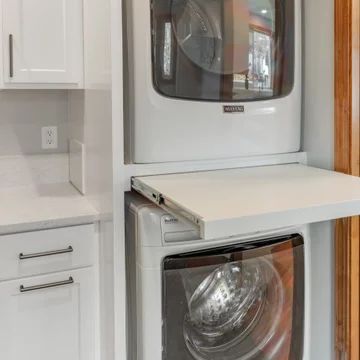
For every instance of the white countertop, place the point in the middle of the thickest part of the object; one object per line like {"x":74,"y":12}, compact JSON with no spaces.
{"x":43,"y":206}
{"x":35,"y":194}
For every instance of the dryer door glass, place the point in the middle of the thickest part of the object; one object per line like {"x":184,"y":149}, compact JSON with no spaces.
{"x":242,"y":302}
{"x":223,"y":50}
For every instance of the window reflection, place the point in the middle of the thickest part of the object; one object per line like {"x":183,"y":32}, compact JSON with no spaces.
{"x":167,"y":50}
{"x":259,"y":75}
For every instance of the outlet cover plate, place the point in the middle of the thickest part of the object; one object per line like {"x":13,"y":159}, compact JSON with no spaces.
{"x":49,"y":137}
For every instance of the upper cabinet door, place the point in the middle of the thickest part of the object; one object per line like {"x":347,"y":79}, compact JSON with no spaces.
{"x":43,"y":42}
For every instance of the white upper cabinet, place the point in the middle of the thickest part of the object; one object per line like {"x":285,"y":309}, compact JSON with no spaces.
{"x":42,"y":43}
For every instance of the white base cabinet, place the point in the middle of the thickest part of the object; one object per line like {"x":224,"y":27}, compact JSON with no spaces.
{"x":55,"y":322}
{"x":49,"y":295}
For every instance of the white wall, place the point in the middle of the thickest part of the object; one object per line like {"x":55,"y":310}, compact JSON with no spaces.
{"x":24,"y":112}
{"x":318,"y":135}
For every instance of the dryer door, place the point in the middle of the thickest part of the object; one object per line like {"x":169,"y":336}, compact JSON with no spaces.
{"x":243,"y":302}
{"x":223,"y":50}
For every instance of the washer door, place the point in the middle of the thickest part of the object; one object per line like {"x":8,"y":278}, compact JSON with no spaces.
{"x":243,"y":302}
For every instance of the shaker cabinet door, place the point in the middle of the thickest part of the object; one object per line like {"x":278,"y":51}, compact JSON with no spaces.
{"x":48,"y":317}
{"x":43,"y":42}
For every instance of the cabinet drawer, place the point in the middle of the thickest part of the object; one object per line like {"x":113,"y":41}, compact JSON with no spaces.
{"x":46,"y":251}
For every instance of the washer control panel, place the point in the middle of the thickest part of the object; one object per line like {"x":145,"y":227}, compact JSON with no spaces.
{"x":177,"y":230}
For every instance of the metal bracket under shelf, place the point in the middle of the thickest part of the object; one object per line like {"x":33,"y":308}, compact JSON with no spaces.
{"x":166,"y":204}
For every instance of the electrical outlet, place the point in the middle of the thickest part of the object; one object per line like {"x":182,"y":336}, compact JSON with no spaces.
{"x":49,"y":137}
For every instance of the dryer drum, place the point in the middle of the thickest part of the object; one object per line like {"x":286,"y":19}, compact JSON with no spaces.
{"x":198,"y":33}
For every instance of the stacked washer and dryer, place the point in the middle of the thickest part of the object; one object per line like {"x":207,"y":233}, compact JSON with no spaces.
{"x":212,"y":79}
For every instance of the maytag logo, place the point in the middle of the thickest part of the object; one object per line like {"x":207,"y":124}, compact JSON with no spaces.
{"x":233,"y":109}
{"x":170,"y":220}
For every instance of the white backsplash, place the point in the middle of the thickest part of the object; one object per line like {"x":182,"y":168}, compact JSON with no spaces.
{"x":22,"y":115}
{"x":30,"y":170}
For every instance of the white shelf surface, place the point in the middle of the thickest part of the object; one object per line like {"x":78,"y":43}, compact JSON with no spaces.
{"x":132,"y":170}
{"x":226,"y":203}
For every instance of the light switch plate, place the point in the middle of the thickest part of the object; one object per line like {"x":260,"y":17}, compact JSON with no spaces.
{"x":77,"y":164}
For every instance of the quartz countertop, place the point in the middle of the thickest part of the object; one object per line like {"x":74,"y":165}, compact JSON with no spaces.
{"x":37,"y":207}
{"x":35,"y":194}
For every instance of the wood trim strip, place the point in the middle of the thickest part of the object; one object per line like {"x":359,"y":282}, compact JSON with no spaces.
{"x":347,"y":160}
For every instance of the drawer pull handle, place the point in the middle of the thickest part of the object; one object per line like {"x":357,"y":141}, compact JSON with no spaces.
{"x":47,"y":253}
{"x":46,"y":286}
{"x":11,"y":55}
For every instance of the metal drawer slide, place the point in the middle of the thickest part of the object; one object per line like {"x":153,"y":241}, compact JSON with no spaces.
{"x":161,"y":200}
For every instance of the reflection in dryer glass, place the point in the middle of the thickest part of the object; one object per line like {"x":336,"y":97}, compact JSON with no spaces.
{"x":223,"y":50}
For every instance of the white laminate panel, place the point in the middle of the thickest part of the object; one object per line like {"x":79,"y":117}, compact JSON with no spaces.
{"x":231,"y":202}
{"x":318,"y":142}
{"x":77,"y":164}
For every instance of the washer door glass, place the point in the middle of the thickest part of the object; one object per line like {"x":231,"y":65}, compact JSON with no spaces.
{"x":236,"y":303}
{"x":223,"y":50}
